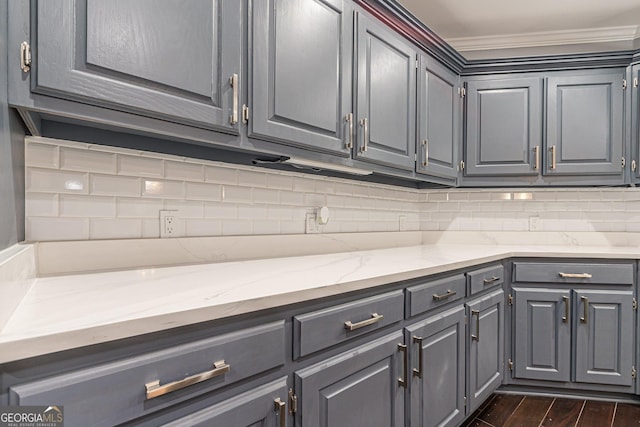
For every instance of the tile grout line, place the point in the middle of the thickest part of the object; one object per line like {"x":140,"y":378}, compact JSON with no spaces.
{"x":613,"y":417}
{"x":544,"y":417}
{"x":584,"y":402}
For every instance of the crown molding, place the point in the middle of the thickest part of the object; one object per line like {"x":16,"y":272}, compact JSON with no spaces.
{"x":547,"y":38}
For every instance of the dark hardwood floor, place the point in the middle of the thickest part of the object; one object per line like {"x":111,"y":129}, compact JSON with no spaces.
{"x":510,"y":410}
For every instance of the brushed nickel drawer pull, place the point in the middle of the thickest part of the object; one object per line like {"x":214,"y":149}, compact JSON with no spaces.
{"x":349,"y":119}
{"x":154,"y":389}
{"x":585,"y":313}
{"x":418,"y":372}
{"x":553,"y":157}
{"x":491,"y":280}
{"x":449,"y":294}
{"x":375,"y":318}
{"x":405,"y":361}
{"x":575,"y":275}
{"x":365,"y":136}
{"x":477,"y":314}
{"x":233,"y":81}
{"x":536,"y":151}
{"x":280,"y":408}
{"x":425,"y":161}
{"x":565,"y":318}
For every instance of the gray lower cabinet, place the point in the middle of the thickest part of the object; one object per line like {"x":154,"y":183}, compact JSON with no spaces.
{"x":437,"y":387}
{"x":385,"y":95}
{"x":362,"y":387}
{"x":300,"y":84}
{"x":485,"y":344}
{"x":439,"y":119}
{"x":585,"y":124}
{"x":165,"y":59}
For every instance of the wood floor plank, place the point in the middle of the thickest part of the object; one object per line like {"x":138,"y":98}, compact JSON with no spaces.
{"x":627,"y":415}
{"x":500,"y":409}
{"x":530,"y":412}
{"x":471,"y":419}
{"x":478,"y":423}
{"x":596,"y":414}
{"x":563,"y":413}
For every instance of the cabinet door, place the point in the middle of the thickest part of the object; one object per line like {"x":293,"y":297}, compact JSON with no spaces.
{"x":504,"y":127}
{"x":486,"y":347}
{"x":542,"y":334}
{"x":438,"y":361}
{"x":585,"y":124}
{"x":635,"y":119}
{"x":438,"y":119}
{"x":358,"y":388}
{"x":604,"y":337}
{"x":386,"y":96}
{"x":163,"y":58}
{"x":263,"y":406}
{"x":301,"y":72}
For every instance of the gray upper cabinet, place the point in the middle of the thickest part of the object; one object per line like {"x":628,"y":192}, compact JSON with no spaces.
{"x":386,"y":95}
{"x":504,"y":127}
{"x":635,"y":121}
{"x":300,"y":85}
{"x":585,"y":124}
{"x":165,"y":59}
{"x":439,"y":115}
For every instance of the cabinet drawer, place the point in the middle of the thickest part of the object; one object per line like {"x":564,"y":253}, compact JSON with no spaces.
{"x":112,"y":393}
{"x":324,"y":328}
{"x":485,"y":278}
{"x":421,"y":298}
{"x":555,"y":272}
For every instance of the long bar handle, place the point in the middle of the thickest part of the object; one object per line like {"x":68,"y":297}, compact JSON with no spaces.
{"x":553,"y":157}
{"x":233,"y":81}
{"x":365,"y":126}
{"x":490,"y":280}
{"x":154,"y":389}
{"x":440,"y":297}
{"x":585,"y":313}
{"x":575,"y":275}
{"x":280,"y":408}
{"x":405,"y":362}
{"x":418,"y":372}
{"x":425,"y":160}
{"x":375,"y":318}
{"x":477,"y":336}
{"x":349,"y":119}
{"x":536,"y":153}
{"x":565,"y":318}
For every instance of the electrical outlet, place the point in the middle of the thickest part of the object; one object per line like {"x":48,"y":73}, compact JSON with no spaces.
{"x":169,"y":226}
{"x":534,"y":223}
{"x":311,"y":224}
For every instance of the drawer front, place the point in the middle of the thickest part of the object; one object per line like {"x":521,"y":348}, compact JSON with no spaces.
{"x":485,"y":278}
{"x":110,"y":394}
{"x":324,"y":328}
{"x":427,"y":296}
{"x":556,"y":272}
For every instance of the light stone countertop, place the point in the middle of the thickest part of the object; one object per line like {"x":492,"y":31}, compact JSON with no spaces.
{"x":71,"y":311}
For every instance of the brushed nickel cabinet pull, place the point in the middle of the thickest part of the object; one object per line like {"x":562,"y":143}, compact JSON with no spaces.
{"x":349,"y":119}
{"x":492,"y":279}
{"x":565,"y":318}
{"x":553,"y":157}
{"x":375,"y":318}
{"x":425,"y":161}
{"x":585,"y":313}
{"x":418,"y":372}
{"x":536,"y":153}
{"x":477,"y":314}
{"x":365,"y":127}
{"x":280,"y":408}
{"x":233,"y":81}
{"x":405,"y":361}
{"x":154,"y":389}
{"x":440,"y":297}
{"x":25,"y":57}
{"x":575,"y":275}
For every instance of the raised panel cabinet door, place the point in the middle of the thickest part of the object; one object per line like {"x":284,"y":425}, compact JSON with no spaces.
{"x":504,"y":127}
{"x":604,"y":337}
{"x":301,"y":73}
{"x":438,"y":369}
{"x":542,"y":334}
{"x":358,"y":388}
{"x":264,"y":406}
{"x":386,"y":96}
{"x":166,"y":59}
{"x":635,"y":120}
{"x":438,"y":119}
{"x":485,"y":342}
{"x":585,"y":124}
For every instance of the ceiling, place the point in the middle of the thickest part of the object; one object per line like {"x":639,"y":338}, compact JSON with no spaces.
{"x":495,"y":28}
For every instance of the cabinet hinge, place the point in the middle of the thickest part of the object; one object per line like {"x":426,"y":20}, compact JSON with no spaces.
{"x":634,"y":373}
{"x":635,"y":82}
{"x":245,"y":114}
{"x":635,"y":304}
{"x":461,"y":165}
{"x":510,"y":364}
{"x":510,"y":299}
{"x":293,"y":402}
{"x":624,"y":162}
{"x":25,"y":56}
{"x":624,"y":83}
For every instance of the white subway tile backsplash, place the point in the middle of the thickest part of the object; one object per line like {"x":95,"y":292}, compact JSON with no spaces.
{"x":220,"y":210}
{"x":163,"y":189}
{"x":87,"y":206}
{"x":292,"y":227}
{"x":279,"y":182}
{"x":150,"y":228}
{"x":42,"y":155}
{"x":291,"y":198}
{"x":113,"y":185}
{"x":252,"y":212}
{"x":198,"y":191}
{"x":41,"y":204}
{"x":234,"y":227}
{"x":221,"y":175}
{"x":232,"y":193}
{"x":266,"y":196}
{"x":37,"y":229}
{"x":87,"y":160}
{"x":185,"y":208}
{"x":140,"y":166}
{"x":203,"y":227}
{"x":139,"y":208}
{"x":183,"y":171}
{"x":107,"y":228}
{"x":54,"y":181}
{"x":266,"y":227}
{"x":279,"y":213}
{"x":252,"y":179}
